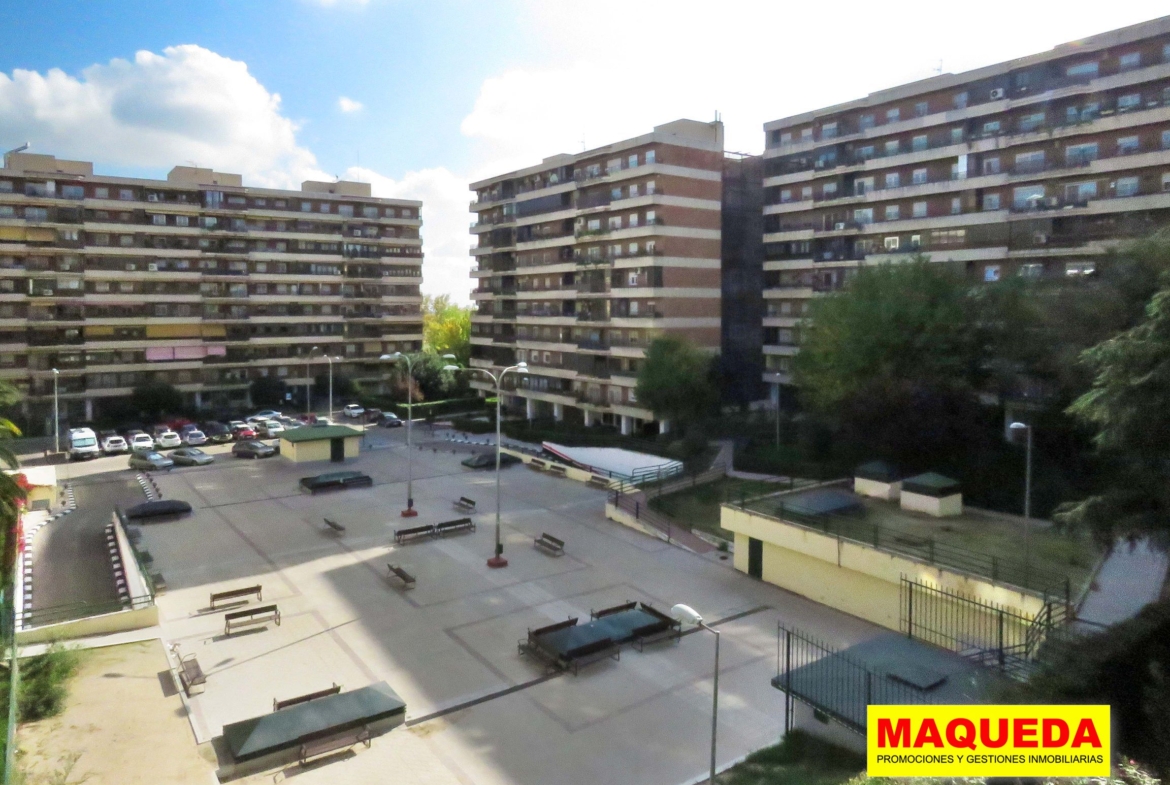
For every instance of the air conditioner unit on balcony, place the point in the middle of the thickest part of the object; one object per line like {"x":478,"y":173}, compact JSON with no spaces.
{"x":997,"y":94}
{"x":891,"y":243}
{"x":152,"y":268}
{"x":839,"y":226}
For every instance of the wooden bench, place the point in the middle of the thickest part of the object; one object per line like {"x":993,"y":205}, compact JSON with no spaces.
{"x":465,"y":505}
{"x":260,"y":615}
{"x":598,"y":482}
{"x":325,"y":693}
{"x":550,"y":543}
{"x":406,"y":578}
{"x":340,"y":741}
{"x":334,"y":525}
{"x":458,"y":525}
{"x":190,"y":673}
{"x":402,"y":535}
{"x":235,"y":594}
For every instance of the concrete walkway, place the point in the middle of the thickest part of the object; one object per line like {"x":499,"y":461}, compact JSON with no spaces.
{"x":1131,"y":577}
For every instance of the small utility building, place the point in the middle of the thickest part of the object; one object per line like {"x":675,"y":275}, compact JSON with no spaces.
{"x":878,"y":480}
{"x":320,"y":443}
{"x":932,"y":494}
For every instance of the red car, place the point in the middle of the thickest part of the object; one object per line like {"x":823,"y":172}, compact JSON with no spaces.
{"x":243,"y":433}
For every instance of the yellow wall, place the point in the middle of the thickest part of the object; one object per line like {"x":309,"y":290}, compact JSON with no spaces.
{"x":615,"y":513}
{"x":303,"y":452}
{"x":119,"y":621}
{"x":42,"y":493}
{"x":849,"y":576}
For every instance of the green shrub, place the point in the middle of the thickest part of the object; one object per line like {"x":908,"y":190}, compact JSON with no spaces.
{"x":44,"y":683}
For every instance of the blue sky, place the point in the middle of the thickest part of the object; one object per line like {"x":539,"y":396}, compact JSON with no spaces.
{"x":444,"y":92}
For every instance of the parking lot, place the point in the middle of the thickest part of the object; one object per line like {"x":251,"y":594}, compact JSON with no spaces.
{"x":477,"y":712}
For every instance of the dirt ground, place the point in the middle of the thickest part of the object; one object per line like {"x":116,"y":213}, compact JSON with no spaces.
{"x":123,"y":723}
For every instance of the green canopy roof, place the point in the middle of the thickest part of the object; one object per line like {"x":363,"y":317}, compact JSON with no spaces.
{"x":931,"y":484}
{"x":314,"y":433}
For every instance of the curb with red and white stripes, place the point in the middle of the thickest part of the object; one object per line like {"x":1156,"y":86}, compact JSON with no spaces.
{"x":149,"y":486}
{"x":30,"y":541}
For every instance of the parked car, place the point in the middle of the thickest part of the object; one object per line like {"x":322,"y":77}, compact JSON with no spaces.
{"x":336,"y":480}
{"x":323,"y":421}
{"x":217,"y":432}
{"x":373,"y":415}
{"x":289,"y":423}
{"x":191,"y":456}
{"x":487,"y":460}
{"x":194,"y":438}
{"x":353,"y":410}
{"x":269,"y":428}
{"x":185,"y":427}
{"x":159,"y":508}
{"x":83,"y":444}
{"x":252,"y":449}
{"x":267,"y":414}
{"x":160,"y":429}
{"x":168,"y":440}
{"x":141,"y":442}
{"x":389,"y":420}
{"x":114,"y":445}
{"x":150,"y":460}
{"x":243,"y":432}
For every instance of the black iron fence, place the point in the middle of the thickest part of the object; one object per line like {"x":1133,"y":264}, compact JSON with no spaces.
{"x":57,"y":614}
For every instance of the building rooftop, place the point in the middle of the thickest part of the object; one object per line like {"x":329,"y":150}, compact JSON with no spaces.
{"x":314,"y":433}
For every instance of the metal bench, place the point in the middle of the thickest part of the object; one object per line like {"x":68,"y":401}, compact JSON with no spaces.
{"x":340,"y":741}
{"x":406,"y":578}
{"x":557,"y":469}
{"x":598,"y":482}
{"x":465,"y":505}
{"x":325,"y":693}
{"x":537,"y":464}
{"x":190,"y":673}
{"x":550,"y":543}
{"x":334,"y":525}
{"x":260,"y":615}
{"x":458,"y":525}
{"x":236,"y":594}
{"x":402,"y":535}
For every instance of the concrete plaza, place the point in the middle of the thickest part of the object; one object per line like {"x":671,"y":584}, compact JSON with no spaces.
{"x":477,"y":712}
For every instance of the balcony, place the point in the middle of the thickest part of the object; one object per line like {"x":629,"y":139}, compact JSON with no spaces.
{"x":591,"y":316}
{"x":593,"y":344}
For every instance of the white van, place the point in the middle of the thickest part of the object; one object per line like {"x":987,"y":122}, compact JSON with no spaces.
{"x":83,"y":444}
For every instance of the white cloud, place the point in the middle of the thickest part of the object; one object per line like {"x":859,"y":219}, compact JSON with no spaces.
{"x":349,"y":105}
{"x":187,"y":104}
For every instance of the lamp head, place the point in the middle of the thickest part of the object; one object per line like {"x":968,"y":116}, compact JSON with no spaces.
{"x":522,"y":367}
{"x":452,"y":368}
{"x":686,"y":614}
{"x":56,"y":372}
{"x":449,"y":357}
{"x":1019,"y":426}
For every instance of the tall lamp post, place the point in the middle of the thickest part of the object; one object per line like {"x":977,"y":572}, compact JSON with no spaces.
{"x":330,"y":359}
{"x":1016,"y":427}
{"x":56,"y":414}
{"x":309,"y":381}
{"x":689,"y":615}
{"x":498,"y":559}
{"x":409,"y":512}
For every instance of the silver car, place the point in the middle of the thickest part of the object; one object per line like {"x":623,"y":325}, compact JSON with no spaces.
{"x":191,"y":456}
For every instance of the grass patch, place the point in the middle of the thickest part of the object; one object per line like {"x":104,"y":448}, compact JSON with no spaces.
{"x":698,"y":507}
{"x":800,"y":759}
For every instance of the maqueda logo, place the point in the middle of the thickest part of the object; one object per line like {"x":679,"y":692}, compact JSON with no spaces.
{"x":988,"y":741}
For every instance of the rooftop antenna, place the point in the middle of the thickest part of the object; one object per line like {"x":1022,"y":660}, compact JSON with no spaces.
{"x":20,"y":149}
{"x":939,"y":69}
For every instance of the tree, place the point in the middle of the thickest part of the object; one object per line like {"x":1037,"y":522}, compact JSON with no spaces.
{"x":267,"y":391}
{"x":446,"y":328}
{"x":676,"y":380}
{"x":343,"y":387}
{"x":156,"y":398}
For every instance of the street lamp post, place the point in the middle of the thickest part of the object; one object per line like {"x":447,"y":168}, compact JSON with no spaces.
{"x":498,"y":559}
{"x":309,"y":382}
{"x":56,"y":414}
{"x":409,"y":512}
{"x":1027,"y":428}
{"x":689,"y":615}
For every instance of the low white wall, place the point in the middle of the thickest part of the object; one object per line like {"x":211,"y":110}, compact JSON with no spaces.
{"x":932,"y":505}
{"x":136,"y":582}
{"x":105,"y":624}
{"x":877,"y":490}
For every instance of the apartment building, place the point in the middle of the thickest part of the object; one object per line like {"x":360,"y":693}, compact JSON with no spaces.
{"x":582,"y":260}
{"x":195,"y":280}
{"x":1032,"y":167}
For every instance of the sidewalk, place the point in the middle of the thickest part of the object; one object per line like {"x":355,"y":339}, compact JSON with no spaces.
{"x":1131,"y":577}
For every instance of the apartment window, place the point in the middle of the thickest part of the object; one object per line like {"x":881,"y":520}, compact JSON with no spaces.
{"x":1129,"y":61}
{"x":806,"y":193}
{"x":863,"y":185}
{"x":1030,"y":162}
{"x":632,"y":161}
{"x":991,"y":127}
{"x":159,"y":220}
{"x":1128,"y":144}
{"x":991,"y":273}
{"x":650,"y":157}
{"x":101,"y":193}
{"x":632,"y":249}
{"x":5,"y":186}
{"x":182,"y":220}
{"x":991,"y":201}
{"x":1166,"y":139}
{"x":920,"y":142}
{"x":919,"y":210}
{"x":1166,"y":181}
{"x":101,"y":239}
{"x":891,"y":243}
{"x":806,"y":134}
{"x":1030,"y":122}
{"x":892,"y":147}
{"x":594,"y":225}
{"x":784,"y":137}
{"x":893,"y":212}
{"x":7,"y":211}
{"x":651,"y":217}
{"x":1080,"y":154}
{"x":829,"y":190}
{"x":615,"y":222}
{"x":649,"y":185}
{"x":991,"y":165}
{"x":72,"y":192}
{"x":1127,"y":186}
{"x":1088,"y":69}
{"x":306,"y":207}
{"x":956,"y":135}
{"x":921,"y":109}
{"x":36,"y":214}
{"x":279,"y":203}
{"x":126,"y":195}
{"x":785,"y":195}
{"x":1129,"y":101}
{"x":633,"y":190}
{"x":893,"y":179}
{"x":919,"y":176}
{"x":960,"y":100}
{"x":345,"y":210}
{"x":615,"y":193}
{"x":1027,"y":196}
{"x":325,"y":207}
{"x":633,"y":220}
{"x":828,"y":130}
{"x":1166,"y":53}
{"x":864,"y":153}
{"x":865,"y":121}
{"x":1081,"y":192}
{"x":1076,"y":269}
{"x":863,"y":215}
{"x":613,"y":165}
{"x":949,"y":237}
{"x":893,"y":115}
{"x":956,"y":205}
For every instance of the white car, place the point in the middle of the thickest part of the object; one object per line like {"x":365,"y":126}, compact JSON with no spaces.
{"x":270,"y":428}
{"x":141,"y":442}
{"x":113,"y":445}
{"x":267,"y":414}
{"x":168,"y":440}
{"x":353,"y":410}
{"x":194,"y":438}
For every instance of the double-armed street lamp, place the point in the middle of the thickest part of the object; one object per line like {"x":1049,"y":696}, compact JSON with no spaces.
{"x":409,"y":512}
{"x":498,"y":559}
{"x":330,"y":359}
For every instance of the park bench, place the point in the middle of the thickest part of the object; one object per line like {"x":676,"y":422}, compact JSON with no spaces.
{"x":406,"y":578}
{"x":550,"y":543}
{"x":533,"y":646}
{"x":402,"y":535}
{"x":334,"y":525}
{"x":458,"y":525}
{"x":465,"y":505}
{"x":264,"y":613}
{"x":190,"y":673}
{"x":598,"y":482}
{"x":537,"y":464}
{"x":325,"y":693}
{"x":557,"y":469}
{"x":591,"y":652}
{"x":340,"y":741}
{"x":236,"y":594}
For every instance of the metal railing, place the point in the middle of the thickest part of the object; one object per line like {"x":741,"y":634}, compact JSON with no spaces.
{"x":80,"y":610}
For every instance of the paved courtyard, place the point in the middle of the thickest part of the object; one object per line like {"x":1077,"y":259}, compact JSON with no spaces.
{"x":477,"y":712}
